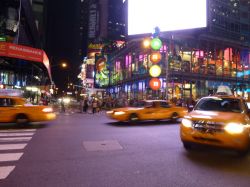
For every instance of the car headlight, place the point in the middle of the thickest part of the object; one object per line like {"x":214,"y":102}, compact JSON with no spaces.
{"x":119,"y":113}
{"x":187,"y":123}
{"x":110,"y":112}
{"x":47,"y":110}
{"x":234,"y":128}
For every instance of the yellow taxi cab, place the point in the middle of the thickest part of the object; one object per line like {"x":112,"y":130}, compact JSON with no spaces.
{"x":219,"y":120}
{"x":149,"y":110}
{"x":13,"y":109}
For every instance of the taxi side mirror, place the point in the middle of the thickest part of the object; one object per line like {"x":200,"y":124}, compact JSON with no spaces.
{"x":190,"y":107}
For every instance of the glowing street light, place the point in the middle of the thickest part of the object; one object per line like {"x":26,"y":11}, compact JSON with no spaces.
{"x":146,"y":43}
{"x":64,"y":65}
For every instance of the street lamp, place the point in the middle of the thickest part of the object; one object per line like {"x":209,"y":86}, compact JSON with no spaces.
{"x":146,"y":43}
{"x":62,"y":64}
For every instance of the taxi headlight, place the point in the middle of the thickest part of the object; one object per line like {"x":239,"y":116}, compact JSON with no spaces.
{"x":47,"y":110}
{"x":187,"y":123}
{"x":110,"y":112}
{"x":119,"y":113}
{"x":234,"y":128}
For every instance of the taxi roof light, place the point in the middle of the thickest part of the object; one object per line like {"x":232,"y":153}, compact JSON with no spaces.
{"x":224,"y":90}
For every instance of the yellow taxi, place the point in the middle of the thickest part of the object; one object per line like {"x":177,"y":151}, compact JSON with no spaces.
{"x":14,"y":109}
{"x":149,"y":110}
{"x":220,"y":120}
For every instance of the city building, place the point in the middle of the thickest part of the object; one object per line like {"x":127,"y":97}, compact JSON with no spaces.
{"x":102,"y":28}
{"x":194,"y":62}
{"x":23,"y":63}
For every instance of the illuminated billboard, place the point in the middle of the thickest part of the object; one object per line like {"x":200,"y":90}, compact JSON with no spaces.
{"x":168,"y":15}
{"x":101,"y":78}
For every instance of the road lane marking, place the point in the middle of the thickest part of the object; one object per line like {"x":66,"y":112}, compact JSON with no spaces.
{"x":12,"y":146}
{"x":5,"y":171}
{"x":16,"y":134}
{"x":5,"y":157}
{"x":15,"y":139}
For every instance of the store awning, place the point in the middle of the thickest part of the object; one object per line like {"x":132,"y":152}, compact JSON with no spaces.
{"x":26,"y":53}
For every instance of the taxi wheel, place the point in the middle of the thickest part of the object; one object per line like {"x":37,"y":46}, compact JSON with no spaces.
{"x":22,"y":119}
{"x":133,"y":118}
{"x":243,"y":153}
{"x":187,"y":145}
{"x":174,"y":117}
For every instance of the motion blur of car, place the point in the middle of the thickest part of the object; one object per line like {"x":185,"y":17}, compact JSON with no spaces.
{"x":219,"y":120}
{"x":149,"y":110}
{"x":14,"y":109}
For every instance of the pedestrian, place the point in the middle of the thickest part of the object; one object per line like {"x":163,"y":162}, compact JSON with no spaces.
{"x":62,"y":106}
{"x":94,"y":106}
{"x":85,"y":105}
{"x":81,"y":106}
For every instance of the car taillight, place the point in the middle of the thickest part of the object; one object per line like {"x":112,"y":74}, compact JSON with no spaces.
{"x":47,"y":110}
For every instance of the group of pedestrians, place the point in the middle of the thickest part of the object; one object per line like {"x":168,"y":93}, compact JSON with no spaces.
{"x":94,"y":105}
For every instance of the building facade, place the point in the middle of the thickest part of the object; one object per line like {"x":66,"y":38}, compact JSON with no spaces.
{"x":194,"y":63}
{"x":102,"y":28}
{"x":22,"y":61}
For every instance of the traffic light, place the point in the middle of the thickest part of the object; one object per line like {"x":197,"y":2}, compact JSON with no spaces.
{"x":155,"y":58}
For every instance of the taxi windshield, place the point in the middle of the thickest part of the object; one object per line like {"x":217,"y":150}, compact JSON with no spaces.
{"x":219,"y":104}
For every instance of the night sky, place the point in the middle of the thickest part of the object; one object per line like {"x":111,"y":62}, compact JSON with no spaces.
{"x":62,"y":45}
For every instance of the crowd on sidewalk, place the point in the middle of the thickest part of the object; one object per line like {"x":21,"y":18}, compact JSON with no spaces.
{"x":95,"y":105}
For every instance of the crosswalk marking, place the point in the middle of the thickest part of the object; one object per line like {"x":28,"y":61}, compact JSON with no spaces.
{"x":5,"y":157}
{"x":12,"y":139}
{"x":18,"y":130}
{"x":16,"y":134}
{"x":15,"y":139}
{"x":12,"y":146}
{"x":5,"y":171}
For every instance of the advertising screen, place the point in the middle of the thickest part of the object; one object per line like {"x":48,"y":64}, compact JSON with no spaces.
{"x":101,"y":78}
{"x":168,"y":15}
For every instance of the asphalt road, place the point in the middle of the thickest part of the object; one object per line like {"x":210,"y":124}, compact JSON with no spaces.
{"x":92,"y":151}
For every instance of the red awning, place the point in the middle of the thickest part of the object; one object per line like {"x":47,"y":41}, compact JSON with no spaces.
{"x":25,"y":53}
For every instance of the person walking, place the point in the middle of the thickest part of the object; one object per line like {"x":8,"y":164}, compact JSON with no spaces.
{"x":94,"y":106}
{"x":85,"y":105}
{"x":62,"y":106}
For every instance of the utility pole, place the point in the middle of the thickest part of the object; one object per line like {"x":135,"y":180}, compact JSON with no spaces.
{"x":166,"y":61}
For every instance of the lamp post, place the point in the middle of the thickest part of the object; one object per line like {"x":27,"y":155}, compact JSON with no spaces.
{"x":62,"y":65}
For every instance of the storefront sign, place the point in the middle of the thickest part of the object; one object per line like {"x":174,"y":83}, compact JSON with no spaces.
{"x":25,"y":53}
{"x":95,"y":46}
{"x":2,"y":39}
{"x":20,"y":51}
{"x":93,"y":21}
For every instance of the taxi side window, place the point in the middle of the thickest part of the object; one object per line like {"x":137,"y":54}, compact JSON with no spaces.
{"x":247,"y":104}
{"x":148,"y":104}
{"x":5,"y":102}
{"x":164,"y":105}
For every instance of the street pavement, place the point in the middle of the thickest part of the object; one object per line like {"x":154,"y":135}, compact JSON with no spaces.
{"x":90,"y":150}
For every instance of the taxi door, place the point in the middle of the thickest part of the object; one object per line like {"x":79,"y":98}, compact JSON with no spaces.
{"x":148,"y":112}
{"x":165,"y":110}
{"x":154,"y":112}
{"x":7,"y":110}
